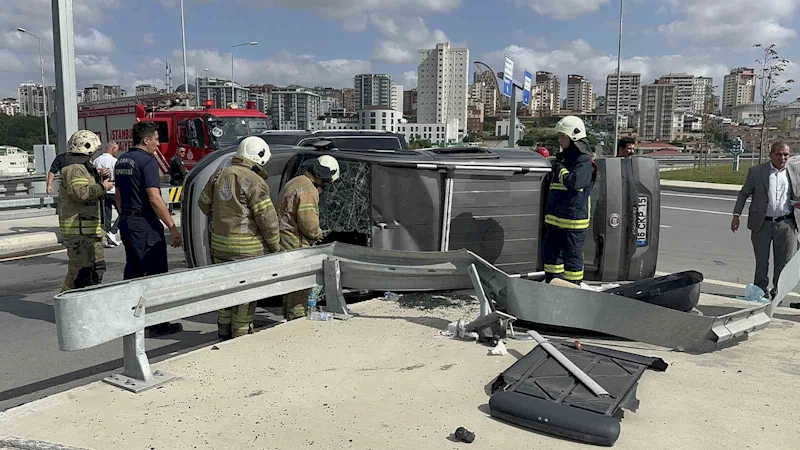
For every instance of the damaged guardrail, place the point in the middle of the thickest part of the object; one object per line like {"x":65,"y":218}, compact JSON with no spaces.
{"x":92,"y":316}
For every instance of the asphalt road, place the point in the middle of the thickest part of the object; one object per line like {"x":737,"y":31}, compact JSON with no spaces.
{"x":695,"y":235}
{"x":32,"y":367}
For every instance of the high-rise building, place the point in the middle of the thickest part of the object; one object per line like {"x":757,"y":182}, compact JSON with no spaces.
{"x":485,"y":94}
{"x":9,"y":106}
{"x":102,"y":92}
{"x":580,"y":97}
{"x":410,"y":104}
{"x":396,"y":100}
{"x":348,"y":99}
{"x":703,"y":98}
{"x":266,"y":91}
{"x":222,"y":92}
{"x":550,"y":95}
{"x":31,"y":99}
{"x":600,"y":104}
{"x":294,"y":109}
{"x":146,"y":89}
{"x":739,"y":88}
{"x":684,"y":83}
{"x":373,"y":89}
{"x":658,"y":114}
{"x":442,"y":85}
{"x":492,"y":100}
{"x":629,"y":84}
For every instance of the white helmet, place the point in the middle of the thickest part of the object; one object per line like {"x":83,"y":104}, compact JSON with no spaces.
{"x":254,"y":149}
{"x":573,"y":127}
{"x":84,"y":142}
{"x":326,"y":168}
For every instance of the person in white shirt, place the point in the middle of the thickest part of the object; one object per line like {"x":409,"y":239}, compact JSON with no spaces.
{"x":772,"y":215}
{"x":105,"y":163}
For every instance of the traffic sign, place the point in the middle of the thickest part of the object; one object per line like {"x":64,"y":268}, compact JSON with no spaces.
{"x":526,"y":88}
{"x":508,"y":77}
{"x":737,"y":148}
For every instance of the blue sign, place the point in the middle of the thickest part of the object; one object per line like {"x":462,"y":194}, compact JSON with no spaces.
{"x":508,"y":77}
{"x":526,"y":88}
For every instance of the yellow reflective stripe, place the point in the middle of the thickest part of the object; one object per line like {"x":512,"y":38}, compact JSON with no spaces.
{"x":307,"y":207}
{"x":554,"y":268}
{"x":79,"y":181}
{"x":566,"y":223}
{"x":561,"y":187}
{"x":262,"y":205}
{"x":562,"y":173}
{"x":573,"y":276}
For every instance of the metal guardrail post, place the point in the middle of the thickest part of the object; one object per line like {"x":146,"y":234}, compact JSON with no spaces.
{"x":136,"y":374}
{"x":334,"y":297}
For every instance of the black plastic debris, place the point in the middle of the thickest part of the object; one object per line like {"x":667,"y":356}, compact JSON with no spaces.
{"x":538,"y":393}
{"x":680,"y":291}
{"x":464,"y":435}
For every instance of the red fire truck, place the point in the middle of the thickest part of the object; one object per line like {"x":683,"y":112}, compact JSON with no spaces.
{"x":198,"y":130}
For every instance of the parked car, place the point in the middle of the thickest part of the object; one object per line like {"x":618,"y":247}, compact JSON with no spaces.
{"x":489,"y":201}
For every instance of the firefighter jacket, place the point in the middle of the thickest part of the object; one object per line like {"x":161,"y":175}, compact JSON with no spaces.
{"x":573,"y":177}
{"x":243,"y":218}
{"x":299,"y":213}
{"x":79,"y":199}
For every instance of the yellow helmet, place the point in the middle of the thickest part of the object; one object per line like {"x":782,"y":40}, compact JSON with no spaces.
{"x":84,"y":142}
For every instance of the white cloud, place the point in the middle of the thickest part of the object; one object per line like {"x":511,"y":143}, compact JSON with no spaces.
{"x":340,"y":9}
{"x":734,"y":24}
{"x":409,"y":79}
{"x":38,"y":13}
{"x":93,"y":43}
{"x":563,"y":9}
{"x":403,"y":37}
{"x":9,"y":62}
{"x":580,"y":57}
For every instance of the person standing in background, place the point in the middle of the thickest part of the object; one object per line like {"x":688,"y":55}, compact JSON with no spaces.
{"x":105,"y":163}
{"x":55,"y":168}
{"x":177,"y":170}
{"x":626,"y":147}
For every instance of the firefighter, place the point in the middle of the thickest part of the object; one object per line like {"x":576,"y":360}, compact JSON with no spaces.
{"x":79,"y":216}
{"x":568,"y":211}
{"x":244,"y":223}
{"x":299,"y":216}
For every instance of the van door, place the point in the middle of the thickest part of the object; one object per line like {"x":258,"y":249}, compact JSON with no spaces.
{"x":622,"y":239}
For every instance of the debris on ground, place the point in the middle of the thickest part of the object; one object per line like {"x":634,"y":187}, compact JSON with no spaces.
{"x":464,"y":435}
{"x":499,"y":350}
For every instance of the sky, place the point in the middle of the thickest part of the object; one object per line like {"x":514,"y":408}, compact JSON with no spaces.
{"x":327,"y":42}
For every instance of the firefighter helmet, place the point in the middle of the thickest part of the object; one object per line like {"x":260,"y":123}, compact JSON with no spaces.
{"x":326,"y":168}
{"x":254,"y":149}
{"x":84,"y":142}
{"x":573,"y":127}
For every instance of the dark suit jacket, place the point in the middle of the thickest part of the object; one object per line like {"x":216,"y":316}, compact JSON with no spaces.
{"x":757,"y":186}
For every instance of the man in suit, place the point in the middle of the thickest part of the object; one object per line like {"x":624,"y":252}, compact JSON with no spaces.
{"x":773,"y":215}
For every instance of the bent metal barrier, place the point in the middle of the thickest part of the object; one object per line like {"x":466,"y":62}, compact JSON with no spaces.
{"x":92,"y":316}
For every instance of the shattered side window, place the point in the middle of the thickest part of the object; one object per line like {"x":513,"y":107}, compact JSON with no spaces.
{"x":346,"y":205}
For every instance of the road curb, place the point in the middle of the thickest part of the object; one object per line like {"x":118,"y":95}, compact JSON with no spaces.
{"x":13,"y":443}
{"x":700,"y":188}
{"x":27,"y":242}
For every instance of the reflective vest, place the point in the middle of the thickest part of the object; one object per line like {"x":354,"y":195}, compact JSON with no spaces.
{"x":79,"y":203}
{"x":243,"y":218}
{"x":568,"y":203}
{"x":299,"y":213}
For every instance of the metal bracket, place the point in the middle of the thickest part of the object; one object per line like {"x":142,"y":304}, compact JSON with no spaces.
{"x":334,"y":297}
{"x":137,"y":376}
{"x":486,"y":305}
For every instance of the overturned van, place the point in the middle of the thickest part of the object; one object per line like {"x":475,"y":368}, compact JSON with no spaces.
{"x":489,"y":201}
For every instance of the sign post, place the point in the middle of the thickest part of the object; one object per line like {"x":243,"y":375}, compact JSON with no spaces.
{"x":508,"y":91}
{"x":736,"y":150}
{"x":526,"y":88}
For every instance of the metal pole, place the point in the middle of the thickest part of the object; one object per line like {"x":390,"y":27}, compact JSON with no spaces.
{"x":619,"y":83}
{"x":512,"y":118}
{"x":66,"y":96}
{"x":183,"y":42}
{"x":233,"y":88}
{"x":44,"y":96}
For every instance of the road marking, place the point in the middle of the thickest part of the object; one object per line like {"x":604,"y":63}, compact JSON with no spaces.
{"x":704,"y":197}
{"x":665,"y":226}
{"x":704,"y":211}
{"x":15,"y":258}
{"x":726,"y":284}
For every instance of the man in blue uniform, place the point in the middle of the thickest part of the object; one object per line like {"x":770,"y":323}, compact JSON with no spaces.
{"x":568,"y":211}
{"x":142,"y":210}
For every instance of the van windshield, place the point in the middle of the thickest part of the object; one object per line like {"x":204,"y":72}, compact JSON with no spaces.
{"x":235,"y":128}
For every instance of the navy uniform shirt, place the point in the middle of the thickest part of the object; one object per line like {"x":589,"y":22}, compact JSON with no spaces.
{"x":58,"y":163}
{"x":136,"y":171}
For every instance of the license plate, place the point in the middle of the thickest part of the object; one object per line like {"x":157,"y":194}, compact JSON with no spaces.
{"x":641,"y":222}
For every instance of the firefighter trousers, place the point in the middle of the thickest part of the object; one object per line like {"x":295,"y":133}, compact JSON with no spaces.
{"x":294,"y":304}
{"x":235,"y":321}
{"x":563,"y":253}
{"x":86,"y":264}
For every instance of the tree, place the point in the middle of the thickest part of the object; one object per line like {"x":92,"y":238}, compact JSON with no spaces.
{"x":785,"y":126}
{"x":770,"y":68}
{"x":23,"y":131}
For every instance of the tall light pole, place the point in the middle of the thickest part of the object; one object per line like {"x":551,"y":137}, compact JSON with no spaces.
{"x":44,"y":87}
{"x":197,"y":85}
{"x":233,"y":86}
{"x":619,"y":81}
{"x":183,"y":42}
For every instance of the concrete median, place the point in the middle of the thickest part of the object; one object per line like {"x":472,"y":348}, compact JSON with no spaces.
{"x":23,"y":243}
{"x":700,"y":188}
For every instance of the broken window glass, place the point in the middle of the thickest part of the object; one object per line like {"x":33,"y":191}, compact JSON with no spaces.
{"x":346,"y":205}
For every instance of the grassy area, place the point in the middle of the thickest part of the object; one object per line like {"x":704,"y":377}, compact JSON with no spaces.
{"x":712,"y":174}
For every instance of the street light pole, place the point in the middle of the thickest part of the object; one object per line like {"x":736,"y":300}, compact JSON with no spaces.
{"x":619,"y":81}
{"x":44,"y":87}
{"x":233,"y":85}
{"x":183,"y":42}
